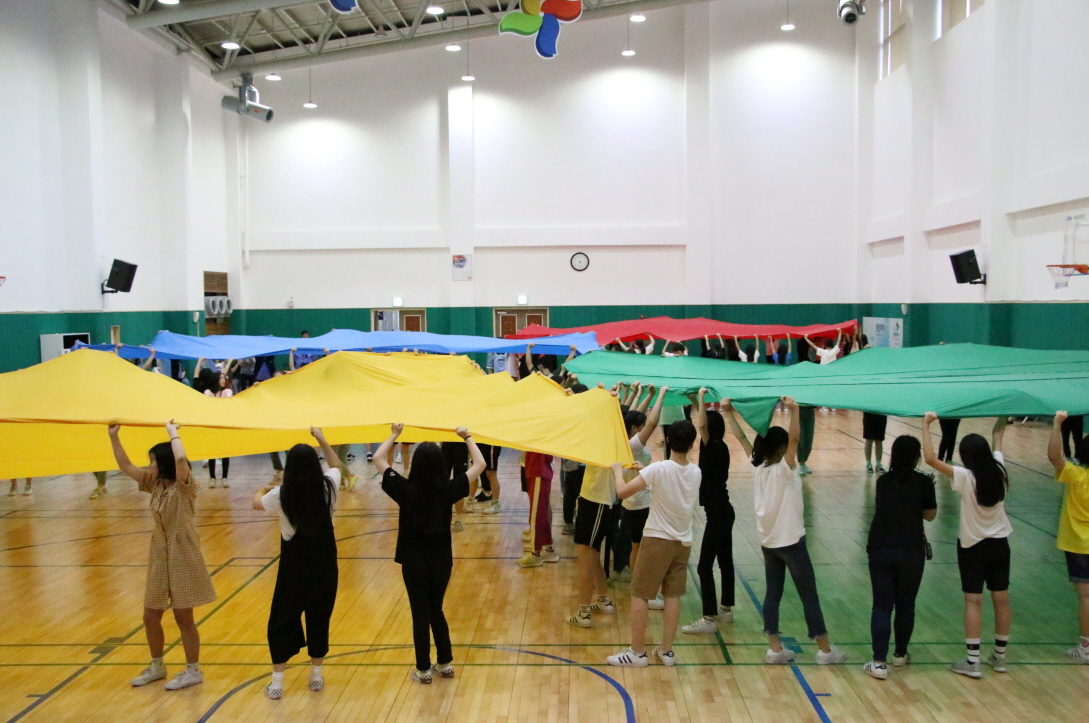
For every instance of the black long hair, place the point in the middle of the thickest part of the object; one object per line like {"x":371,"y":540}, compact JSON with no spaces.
{"x":307,"y":492}
{"x":716,"y":426}
{"x":429,"y":473}
{"x":208,"y":379}
{"x":765,"y":445}
{"x":782,"y":350}
{"x":991,"y":477}
{"x":164,"y":460}
{"x":732,"y":352}
{"x":1082,"y":452}
{"x":634,"y":418}
{"x":904,"y":457}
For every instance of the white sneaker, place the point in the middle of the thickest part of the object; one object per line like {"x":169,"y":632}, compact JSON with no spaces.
{"x":628,"y":659}
{"x":876,"y":670}
{"x":832,"y":657}
{"x":581,"y":620}
{"x":422,"y":676}
{"x":185,"y":679}
{"x":899,"y":661}
{"x":98,"y":492}
{"x":316,"y":682}
{"x":703,"y":626}
{"x":725,"y":614}
{"x":603,"y":606}
{"x":964,"y":667}
{"x":999,"y":664}
{"x":665,"y":658}
{"x":469,"y":505}
{"x":15,"y":490}
{"x":656,"y":604}
{"x":150,"y":675}
{"x":493,"y":509}
{"x":446,"y":671}
{"x":458,"y":527}
{"x":274,"y":691}
{"x":549,"y":554}
{"x":530,"y":560}
{"x":1080,"y":654}
{"x":803,"y":470}
{"x":783,"y":657}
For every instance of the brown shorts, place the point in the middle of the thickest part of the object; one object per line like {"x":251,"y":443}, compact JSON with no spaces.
{"x":662,"y":564}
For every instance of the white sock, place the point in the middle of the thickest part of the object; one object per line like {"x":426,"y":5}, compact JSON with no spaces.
{"x":315,"y":671}
{"x":277,"y":680}
{"x":193,"y":667}
{"x":156,"y":661}
{"x":1085,"y":641}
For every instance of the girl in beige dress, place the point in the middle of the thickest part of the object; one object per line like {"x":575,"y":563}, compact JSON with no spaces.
{"x":176,"y":575}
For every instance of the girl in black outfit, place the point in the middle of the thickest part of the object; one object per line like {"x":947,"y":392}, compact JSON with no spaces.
{"x":718,"y":534}
{"x":948,"y":442}
{"x":423,"y":540}
{"x":897,"y":551}
{"x":306,"y":581}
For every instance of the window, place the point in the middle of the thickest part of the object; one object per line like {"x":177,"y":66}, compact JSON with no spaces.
{"x":894,"y":37}
{"x":512,"y":321}
{"x":215,"y":284}
{"x":398,"y":319}
{"x":953,"y":11}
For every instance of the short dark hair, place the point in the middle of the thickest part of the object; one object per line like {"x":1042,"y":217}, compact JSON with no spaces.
{"x":767,"y":445}
{"x":579,"y":388}
{"x":304,"y":333}
{"x":681,"y":436}
{"x":634,"y":418}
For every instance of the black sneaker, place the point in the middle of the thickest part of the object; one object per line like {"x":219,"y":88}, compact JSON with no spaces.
{"x":483,"y":496}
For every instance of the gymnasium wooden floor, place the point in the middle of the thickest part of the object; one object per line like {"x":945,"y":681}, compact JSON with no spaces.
{"x":72,"y":575}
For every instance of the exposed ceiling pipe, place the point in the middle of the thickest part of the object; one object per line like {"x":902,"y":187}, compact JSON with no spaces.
{"x":203,"y":11}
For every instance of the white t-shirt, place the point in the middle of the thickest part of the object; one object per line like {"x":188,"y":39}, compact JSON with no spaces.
{"x":745,"y":357}
{"x":641,"y":499}
{"x":271,"y":502}
{"x":778,"y":495}
{"x":222,"y":393}
{"x":828,"y":355}
{"x":676,"y":490}
{"x":978,"y":522}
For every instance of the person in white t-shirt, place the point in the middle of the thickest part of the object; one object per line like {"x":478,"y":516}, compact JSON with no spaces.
{"x":667,"y":543}
{"x":830,"y":351}
{"x":780,"y":525}
{"x":983,"y":550}
{"x":637,"y":507}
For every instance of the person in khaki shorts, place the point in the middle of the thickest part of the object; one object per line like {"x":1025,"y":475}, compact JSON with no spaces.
{"x":667,"y":542}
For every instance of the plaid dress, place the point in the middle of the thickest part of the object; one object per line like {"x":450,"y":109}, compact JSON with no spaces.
{"x":176,"y":574}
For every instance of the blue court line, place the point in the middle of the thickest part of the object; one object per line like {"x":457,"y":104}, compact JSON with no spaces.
{"x":806,"y":688}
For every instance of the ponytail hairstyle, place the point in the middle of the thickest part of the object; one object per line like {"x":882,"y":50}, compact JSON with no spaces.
{"x":633,"y":419}
{"x":904,"y":458}
{"x":429,"y":473}
{"x":306,"y":493}
{"x":991,"y":478}
{"x":768,"y":445}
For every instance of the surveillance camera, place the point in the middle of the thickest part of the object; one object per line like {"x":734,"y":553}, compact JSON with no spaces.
{"x":849,"y":10}
{"x":247,"y":102}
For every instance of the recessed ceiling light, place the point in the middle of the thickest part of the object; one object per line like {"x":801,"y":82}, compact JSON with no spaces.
{"x":468,"y":78}
{"x":169,"y":2}
{"x":638,"y":18}
{"x":786,"y":27}
{"x":434,"y":10}
{"x":273,"y":76}
{"x":453,"y":48}
{"x":627,"y":53}
{"x":310,"y":104}
{"x":230,"y":45}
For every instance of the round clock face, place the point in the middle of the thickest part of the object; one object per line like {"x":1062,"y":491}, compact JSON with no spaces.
{"x":580,"y":261}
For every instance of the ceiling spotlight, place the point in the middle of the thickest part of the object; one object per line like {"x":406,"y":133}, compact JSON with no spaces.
{"x":638,"y":18}
{"x":453,"y":48}
{"x":169,"y":2}
{"x":310,"y":89}
{"x":468,"y":78}
{"x":310,"y":104}
{"x":379,"y":33}
{"x":230,"y":45}
{"x":273,"y":76}
{"x":627,"y":53}
{"x":786,"y":27}
{"x":434,"y":10}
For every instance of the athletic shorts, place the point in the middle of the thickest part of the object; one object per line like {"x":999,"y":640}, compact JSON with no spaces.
{"x":661,"y":565}
{"x":873,"y":426}
{"x":1077,"y":566}
{"x":592,"y":521}
{"x":987,"y":561}
{"x":491,"y":455}
{"x":634,"y":520}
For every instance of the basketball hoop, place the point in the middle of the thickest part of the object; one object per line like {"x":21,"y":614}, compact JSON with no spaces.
{"x":1062,"y":273}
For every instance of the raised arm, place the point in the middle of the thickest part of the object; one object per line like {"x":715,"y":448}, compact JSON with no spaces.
{"x":794,"y":432}
{"x":928,"y":447}
{"x":291,"y":360}
{"x":199,"y":366}
{"x":644,"y":404}
{"x":121,"y":456}
{"x":181,"y":463}
{"x":624,"y":490}
{"x":530,"y":364}
{"x":479,"y":464}
{"x":379,"y":457}
{"x":700,"y":416}
{"x":735,"y":426}
{"x":650,"y":345}
{"x":1055,"y":443}
{"x":331,"y":458}
{"x":622,"y":345}
{"x":147,"y":365}
{"x":652,"y":418}
{"x":632,"y":395}
{"x":998,"y":433}
{"x":810,"y":341}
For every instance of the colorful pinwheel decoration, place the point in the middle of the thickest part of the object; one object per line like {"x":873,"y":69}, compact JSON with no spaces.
{"x":343,"y":7}
{"x":542,"y":17}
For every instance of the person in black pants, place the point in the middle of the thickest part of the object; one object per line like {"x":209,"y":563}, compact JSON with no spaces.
{"x":1072,"y":427}
{"x":306,"y":581}
{"x":423,"y":540}
{"x":948,"y":442}
{"x":897,"y":552}
{"x":718,"y":534}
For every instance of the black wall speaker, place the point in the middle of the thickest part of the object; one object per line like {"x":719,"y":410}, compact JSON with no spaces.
{"x":121,"y":275}
{"x":966,"y":268}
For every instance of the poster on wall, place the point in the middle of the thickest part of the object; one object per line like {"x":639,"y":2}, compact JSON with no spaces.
{"x":882,"y":331}
{"x":387,"y":320}
{"x":462,"y":267}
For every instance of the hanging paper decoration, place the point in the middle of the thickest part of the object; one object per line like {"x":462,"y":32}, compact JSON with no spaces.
{"x":543,"y":19}
{"x":343,"y":6}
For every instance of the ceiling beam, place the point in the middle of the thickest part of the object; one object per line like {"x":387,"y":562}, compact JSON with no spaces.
{"x":203,"y":11}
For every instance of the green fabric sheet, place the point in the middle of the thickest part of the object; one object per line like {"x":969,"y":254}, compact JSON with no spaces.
{"x":954,"y":380}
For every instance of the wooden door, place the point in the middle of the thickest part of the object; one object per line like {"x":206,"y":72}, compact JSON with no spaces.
{"x":411,"y":322}
{"x":508,"y":324}
{"x":537,"y":319}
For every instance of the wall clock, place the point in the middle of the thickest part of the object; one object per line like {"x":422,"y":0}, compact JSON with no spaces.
{"x":580,"y":261}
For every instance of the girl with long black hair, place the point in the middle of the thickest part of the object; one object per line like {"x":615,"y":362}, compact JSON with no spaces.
{"x":307,"y":578}
{"x":423,"y":540}
{"x":897,"y":552}
{"x":983,"y":550}
{"x":215,"y":384}
{"x":780,"y":525}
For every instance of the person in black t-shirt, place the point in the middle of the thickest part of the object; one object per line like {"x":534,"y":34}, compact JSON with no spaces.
{"x":423,"y":540}
{"x":897,"y":551}
{"x":718,"y":534}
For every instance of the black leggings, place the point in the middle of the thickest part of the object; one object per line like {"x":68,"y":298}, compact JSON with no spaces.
{"x":426,"y":584}
{"x":949,"y":438}
{"x":718,"y":543}
{"x":895,"y":576}
{"x":226,"y":467}
{"x":1072,"y":427}
{"x":572,"y":486}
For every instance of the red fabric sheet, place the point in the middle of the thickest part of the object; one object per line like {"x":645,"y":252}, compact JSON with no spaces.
{"x":670,"y":329}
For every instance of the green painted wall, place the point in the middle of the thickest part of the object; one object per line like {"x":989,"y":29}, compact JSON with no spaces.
{"x":1029,"y":325}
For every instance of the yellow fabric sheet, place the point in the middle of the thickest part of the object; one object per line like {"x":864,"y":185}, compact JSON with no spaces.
{"x":53,"y":416}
